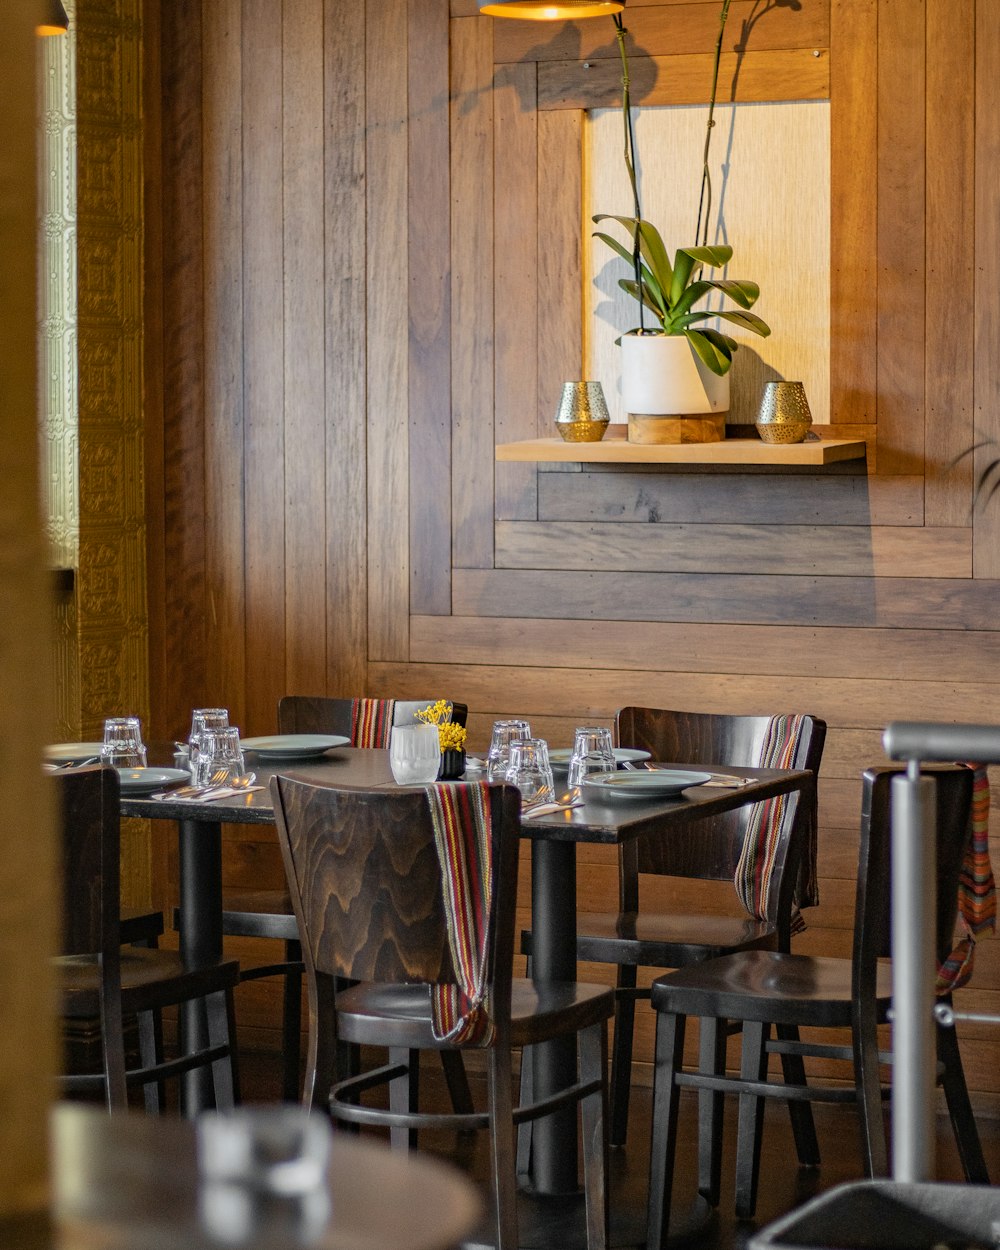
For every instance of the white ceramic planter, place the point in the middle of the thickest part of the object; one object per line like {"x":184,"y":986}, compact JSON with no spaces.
{"x":662,"y":376}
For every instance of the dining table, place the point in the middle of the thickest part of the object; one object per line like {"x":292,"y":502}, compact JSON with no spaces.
{"x":609,"y":820}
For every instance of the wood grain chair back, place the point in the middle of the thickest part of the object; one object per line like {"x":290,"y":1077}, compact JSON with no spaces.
{"x":91,"y":873}
{"x":709,"y":849}
{"x":366,"y":884}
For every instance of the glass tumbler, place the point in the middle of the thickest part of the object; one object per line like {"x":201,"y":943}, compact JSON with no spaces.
{"x":592,"y":753}
{"x":414,"y":754}
{"x":203,"y":718}
{"x":123,"y":743}
{"x":220,"y":757}
{"x":529,"y":769}
{"x":504,"y":733}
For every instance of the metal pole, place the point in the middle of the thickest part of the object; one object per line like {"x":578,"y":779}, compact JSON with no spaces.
{"x":914,"y":891}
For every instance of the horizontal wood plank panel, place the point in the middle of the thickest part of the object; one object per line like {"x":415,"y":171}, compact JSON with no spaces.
{"x":514,"y":690}
{"x":800,"y":74}
{"x":822,"y":499}
{"x":668,"y":30}
{"x":900,"y":602}
{"x":708,"y":648}
{"x":794,"y":549}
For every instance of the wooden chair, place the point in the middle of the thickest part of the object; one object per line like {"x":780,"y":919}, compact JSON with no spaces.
{"x":102,"y":979}
{"x":634,"y":936}
{"x":765,"y":988}
{"x":268,"y":913}
{"x":366,"y":879}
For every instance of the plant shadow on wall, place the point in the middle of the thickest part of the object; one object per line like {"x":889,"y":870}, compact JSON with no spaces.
{"x":676,"y":361}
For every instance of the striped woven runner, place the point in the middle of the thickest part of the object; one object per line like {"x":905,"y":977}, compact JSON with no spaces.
{"x":463,"y":834}
{"x":977,"y":902}
{"x":756,"y":865}
{"x":371,"y":722}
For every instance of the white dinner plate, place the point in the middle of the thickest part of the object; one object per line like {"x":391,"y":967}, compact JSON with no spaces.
{"x":560,"y":757}
{"x":71,"y":752}
{"x":146,"y":780}
{"x":642,"y":785}
{"x":293,"y":746}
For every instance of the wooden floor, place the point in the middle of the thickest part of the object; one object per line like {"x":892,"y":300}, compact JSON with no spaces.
{"x":783,"y":1184}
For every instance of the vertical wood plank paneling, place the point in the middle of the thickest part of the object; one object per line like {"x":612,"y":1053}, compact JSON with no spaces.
{"x":950,"y":302}
{"x":304,"y":340}
{"x":388,"y":485}
{"x":986,"y":522}
{"x":560,"y":258}
{"x":901,"y":237}
{"x":344,"y":356}
{"x":223,"y":216}
{"x":429,"y":288}
{"x":183,"y":661}
{"x":853,"y":210}
{"x":472,"y":355}
{"x":263,"y":311}
{"x":515,"y":148}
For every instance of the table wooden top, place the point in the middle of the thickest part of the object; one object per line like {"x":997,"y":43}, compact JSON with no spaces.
{"x":132,"y":1181}
{"x":610,"y":821}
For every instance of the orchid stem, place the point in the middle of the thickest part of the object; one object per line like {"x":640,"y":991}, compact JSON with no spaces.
{"x":705,"y":195}
{"x":629,"y":147}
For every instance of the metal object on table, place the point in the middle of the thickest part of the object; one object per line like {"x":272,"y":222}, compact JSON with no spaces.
{"x":913,"y":894}
{"x":583,"y":412}
{"x":784,"y":415}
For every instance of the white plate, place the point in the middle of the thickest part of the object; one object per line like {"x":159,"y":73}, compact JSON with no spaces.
{"x":146,"y":780}
{"x":293,"y":746}
{"x":560,"y":757}
{"x":72,"y":752}
{"x":659,"y":785}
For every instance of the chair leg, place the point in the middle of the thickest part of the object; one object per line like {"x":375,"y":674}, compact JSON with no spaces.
{"x":457,"y":1082}
{"x":712,"y":1035}
{"x":404,"y":1096}
{"x":501,"y":1119}
{"x":803,"y":1126}
{"x":963,"y":1121}
{"x":291,"y":1025}
{"x":150,"y":1054}
{"x":219,"y":1012}
{"x":593,"y":1046}
{"x":323,"y":1050}
{"x":621,"y":1052}
{"x":663,"y":1140}
{"x":113,"y":1055}
{"x":868,"y":1089}
{"x":750,"y":1126}
{"x":525,"y":1096}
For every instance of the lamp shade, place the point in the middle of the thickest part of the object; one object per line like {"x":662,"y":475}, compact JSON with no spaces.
{"x":54,"y":20}
{"x":550,"y":10}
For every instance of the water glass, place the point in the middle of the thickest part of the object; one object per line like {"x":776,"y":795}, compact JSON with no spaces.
{"x":504,"y":733}
{"x":529,"y":769}
{"x":123,"y":746}
{"x":592,"y":753}
{"x":203,"y":718}
{"x":220,"y":757}
{"x":414,"y":754}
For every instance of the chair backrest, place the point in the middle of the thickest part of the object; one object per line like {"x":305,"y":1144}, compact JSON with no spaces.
{"x":710,"y":849}
{"x":303,"y":714}
{"x":91,"y":911}
{"x":872,"y":926}
{"x":366,"y":882}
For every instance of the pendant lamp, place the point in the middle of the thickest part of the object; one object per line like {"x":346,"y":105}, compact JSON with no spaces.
{"x":55,"y":21}
{"x":550,"y":10}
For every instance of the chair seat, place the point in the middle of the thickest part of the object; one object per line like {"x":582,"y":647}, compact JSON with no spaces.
{"x":653,"y":939}
{"x":401,"y":1014}
{"x":150,"y":979}
{"x":767,"y":986}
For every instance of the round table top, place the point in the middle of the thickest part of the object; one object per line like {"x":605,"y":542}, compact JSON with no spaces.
{"x":132,"y":1181}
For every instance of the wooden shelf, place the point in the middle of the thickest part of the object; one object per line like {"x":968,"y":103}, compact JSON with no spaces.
{"x":615,"y":448}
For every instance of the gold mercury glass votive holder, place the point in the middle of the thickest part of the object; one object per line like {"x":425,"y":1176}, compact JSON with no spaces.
{"x":583,"y":412}
{"x":784,"y":415}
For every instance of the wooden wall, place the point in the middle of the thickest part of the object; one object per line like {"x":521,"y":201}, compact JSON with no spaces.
{"x":368,"y":271}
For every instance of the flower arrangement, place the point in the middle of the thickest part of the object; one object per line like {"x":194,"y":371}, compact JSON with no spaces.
{"x":450,"y":736}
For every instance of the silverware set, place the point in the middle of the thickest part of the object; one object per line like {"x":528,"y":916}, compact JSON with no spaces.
{"x":218,"y":784}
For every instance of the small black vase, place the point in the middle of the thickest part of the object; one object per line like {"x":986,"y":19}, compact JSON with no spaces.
{"x":452,"y":765}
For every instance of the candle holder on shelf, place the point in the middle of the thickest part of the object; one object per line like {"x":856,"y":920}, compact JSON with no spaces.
{"x":583,"y":412}
{"x":784,"y":415}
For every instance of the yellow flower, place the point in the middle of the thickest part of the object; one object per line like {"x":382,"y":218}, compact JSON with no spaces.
{"x":451,"y":737}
